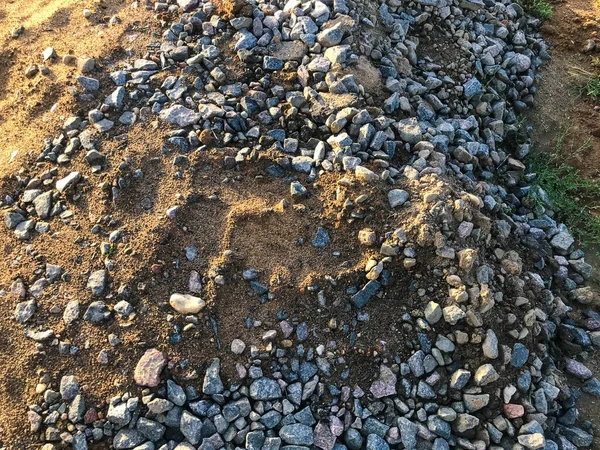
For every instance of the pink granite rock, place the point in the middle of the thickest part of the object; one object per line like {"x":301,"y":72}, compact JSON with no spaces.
{"x":148,"y":369}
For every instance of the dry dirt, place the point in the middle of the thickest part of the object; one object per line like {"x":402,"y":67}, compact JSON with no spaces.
{"x":560,"y":106}
{"x":562,"y":110}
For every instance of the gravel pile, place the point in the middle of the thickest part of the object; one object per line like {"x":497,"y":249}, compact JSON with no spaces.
{"x":434,"y":126}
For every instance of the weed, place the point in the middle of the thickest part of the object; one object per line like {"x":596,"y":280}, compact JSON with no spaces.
{"x":569,"y":193}
{"x":589,"y":81}
{"x":542,"y":9}
{"x":592,"y":87}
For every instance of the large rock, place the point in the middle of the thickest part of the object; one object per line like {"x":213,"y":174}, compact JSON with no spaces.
{"x":385,"y":385}
{"x":212,"y":380}
{"x":265,"y":389}
{"x":297,"y":434}
{"x":148,"y":369}
{"x":186,"y":304}
{"x":180,"y":116}
{"x":187,"y":5}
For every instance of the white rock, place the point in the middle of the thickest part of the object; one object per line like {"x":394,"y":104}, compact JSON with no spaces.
{"x":238,"y":346}
{"x":186,"y":304}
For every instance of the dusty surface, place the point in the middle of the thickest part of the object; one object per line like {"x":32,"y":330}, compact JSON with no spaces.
{"x":30,"y":111}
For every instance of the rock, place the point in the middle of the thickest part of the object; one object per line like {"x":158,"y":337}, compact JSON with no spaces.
{"x":97,"y":282}
{"x":513,"y":411}
{"x":330,"y":37}
{"x":408,"y":433}
{"x":89,"y":84}
{"x":578,"y":369}
{"x":32,"y":70}
{"x":186,"y":304}
{"x":433,"y":313}
{"x":187,"y":5}
{"x":118,"y":414}
{"x":452,"y":314}
{"x":49,"y":53}
{"x":592,"y":387}
{"x":238,"y":346}
{"x":71,"y":312}
{"x":520,"y":354}
{"x":323,"y":437}
{"x":490,"y":345}
{"x":475,"y":402}
{"x":212,"y":380}
{"x":86,"y":65}
{"x":397,"y":197}
{"x":97,"y":312}
{"x":465,"y":422}
{"x":485,"y":375}
{"x":25,"y":311}
{"x":127,"y":438}
{"x":365,"y":175}
{"x":374,"y":442}
{"x":409,"y":130}
{"x":353,"y":439}
{"x":577,"y":436}
{"x":117,"y":98}
{"x":265,"y":389}
{"x":67,"y":182}
{"x":562,"y":242}
{"x":148,"y":369}
{"x":386,"y":384}
{"x":69,"y":387}
{"x":364,"y":296}
{"x":321,"y":238}
{"x":296,"y":434}
{"x":180,"y":116}
{"x":152,"y":430}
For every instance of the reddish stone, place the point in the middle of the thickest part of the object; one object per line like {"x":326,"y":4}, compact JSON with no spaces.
{"x":148,"y":369}
{"x":513,"y":411}
{"x":90,"y":416}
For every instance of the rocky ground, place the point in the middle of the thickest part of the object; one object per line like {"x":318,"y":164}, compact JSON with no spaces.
{"x":290,"y":225}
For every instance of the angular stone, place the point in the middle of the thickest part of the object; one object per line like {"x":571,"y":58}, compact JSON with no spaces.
{"x":148,"y":369}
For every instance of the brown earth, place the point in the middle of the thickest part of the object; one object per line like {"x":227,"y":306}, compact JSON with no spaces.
{"x":560,"y":107}
{"x":562,"y":111}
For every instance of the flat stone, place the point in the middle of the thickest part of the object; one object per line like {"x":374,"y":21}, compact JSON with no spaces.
{"x":148,"y":369}
{"x":386,"y":384}
{"x":265,"y":389}
{"x":296,"y":434}
{"x":397,"y":197}
{"x":180,"y":116}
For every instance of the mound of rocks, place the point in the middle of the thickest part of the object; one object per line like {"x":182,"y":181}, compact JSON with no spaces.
{"x":495,"y":275}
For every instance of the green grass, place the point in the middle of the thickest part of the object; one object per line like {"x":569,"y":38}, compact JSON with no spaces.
{"x":592,"y":87}
{"x":542,"y":9}
{"x":588,"y":82}
{"x":569,"y":193}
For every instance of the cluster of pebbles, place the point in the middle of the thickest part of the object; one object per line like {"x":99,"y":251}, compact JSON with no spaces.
{"x":494,"y":272}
